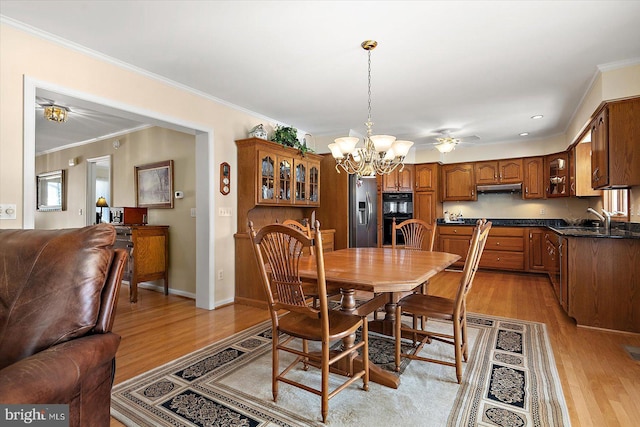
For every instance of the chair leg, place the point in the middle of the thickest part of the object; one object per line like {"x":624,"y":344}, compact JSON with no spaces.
{"x":275,"y":365}
{"x":305,"y":360}
{"x":365,"y":353}
{"x":325,"y":381}
{"x":457,"y":332}
{"x":398,"y":334}
{"x":465,"y":347}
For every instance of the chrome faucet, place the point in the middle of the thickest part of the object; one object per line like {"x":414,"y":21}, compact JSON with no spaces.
{"x":606,"y":219}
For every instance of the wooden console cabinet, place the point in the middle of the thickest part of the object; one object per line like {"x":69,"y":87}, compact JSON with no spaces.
{"x":148,"y":247}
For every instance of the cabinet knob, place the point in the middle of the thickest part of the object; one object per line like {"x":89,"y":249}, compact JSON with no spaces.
{"x":498,"y":258}
{"x":498,"y":243}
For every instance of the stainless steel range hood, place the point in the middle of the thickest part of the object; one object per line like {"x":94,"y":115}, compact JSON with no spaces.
{"x":500,"y":188}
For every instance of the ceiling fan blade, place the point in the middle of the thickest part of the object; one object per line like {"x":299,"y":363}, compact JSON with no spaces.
{"x":468,"y":138}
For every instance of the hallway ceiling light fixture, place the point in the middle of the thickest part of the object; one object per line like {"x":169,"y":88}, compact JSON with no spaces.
{"x":446,"y":144}
{"x":55,"y":113}
{"x":381,"y":154}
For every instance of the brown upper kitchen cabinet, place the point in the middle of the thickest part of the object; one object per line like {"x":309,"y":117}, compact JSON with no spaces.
{"x":426,"y":206}
{"x":533,"y":183}
{"x":507,"y":171}
{"x":557,"y":175}
{"x":615,"y":138}
{"x":401,"y":179}
{"x":426,"y":176}
{"x":459,"y":182}
{"x":580,"y":163}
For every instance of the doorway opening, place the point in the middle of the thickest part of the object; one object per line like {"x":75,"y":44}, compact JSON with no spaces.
{"x":205,"y":236}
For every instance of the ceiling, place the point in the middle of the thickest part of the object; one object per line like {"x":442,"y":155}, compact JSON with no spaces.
{"x":483,"y":68}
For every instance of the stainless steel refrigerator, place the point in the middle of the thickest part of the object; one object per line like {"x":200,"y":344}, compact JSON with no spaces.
{"x":362,"y":212}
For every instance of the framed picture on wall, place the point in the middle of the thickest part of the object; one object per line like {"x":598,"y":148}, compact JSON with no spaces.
{"x":154,"y":185}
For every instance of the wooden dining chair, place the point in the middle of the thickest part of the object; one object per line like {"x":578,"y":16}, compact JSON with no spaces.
{"x":455,"y":310}
{"x":280,"y":247}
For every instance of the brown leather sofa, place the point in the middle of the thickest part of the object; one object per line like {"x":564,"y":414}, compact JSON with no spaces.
{"x":58,"y":293}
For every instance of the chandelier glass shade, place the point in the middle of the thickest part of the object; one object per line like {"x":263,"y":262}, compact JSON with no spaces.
{"x":55,"y":113}
{"x":379,"y":154}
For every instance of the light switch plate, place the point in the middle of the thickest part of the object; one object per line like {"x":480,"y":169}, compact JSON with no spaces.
{"x":224,"y":211}
{"x":7,"y":211}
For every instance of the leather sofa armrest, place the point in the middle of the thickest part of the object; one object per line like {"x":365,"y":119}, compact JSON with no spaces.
{"x":55,"y":374}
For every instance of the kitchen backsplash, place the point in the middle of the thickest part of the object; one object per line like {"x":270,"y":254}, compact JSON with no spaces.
{"x":502,"y":205}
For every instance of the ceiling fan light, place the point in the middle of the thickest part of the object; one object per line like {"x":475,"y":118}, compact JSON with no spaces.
{"x":401,"y":147}
{"x":446,"y":147}
{"x":381,"y":143}
{"x":55,"y":113}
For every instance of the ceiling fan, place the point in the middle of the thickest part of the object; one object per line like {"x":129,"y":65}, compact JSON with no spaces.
{"x":445,"y":142}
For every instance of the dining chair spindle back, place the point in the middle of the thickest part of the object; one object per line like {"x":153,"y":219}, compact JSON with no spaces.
{"x":418,"y":234}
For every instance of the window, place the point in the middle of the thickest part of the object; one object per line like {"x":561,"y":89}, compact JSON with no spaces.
{"x":617,"y":202}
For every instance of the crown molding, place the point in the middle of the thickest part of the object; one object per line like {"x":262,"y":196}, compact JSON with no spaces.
{"x":124,"y":65}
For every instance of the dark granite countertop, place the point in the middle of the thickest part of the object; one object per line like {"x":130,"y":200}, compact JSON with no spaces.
{"x":619,"y":230}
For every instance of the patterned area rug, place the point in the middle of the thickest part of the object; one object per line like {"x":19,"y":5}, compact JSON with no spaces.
{"x":510,"y":380}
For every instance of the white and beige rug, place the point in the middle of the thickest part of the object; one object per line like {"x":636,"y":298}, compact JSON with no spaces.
{"x":510,"y":380}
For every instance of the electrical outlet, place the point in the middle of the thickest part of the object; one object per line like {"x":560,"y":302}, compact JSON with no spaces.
{"x":220,"y":274}
{"x":541,"y":211}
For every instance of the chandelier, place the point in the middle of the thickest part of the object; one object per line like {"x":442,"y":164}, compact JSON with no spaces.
{"x":55,"y":113}
{"x":381,"y":154}
{"x":446,"y":144}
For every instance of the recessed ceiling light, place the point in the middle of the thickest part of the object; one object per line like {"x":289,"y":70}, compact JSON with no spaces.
{"x":524,"y":134}
{"x":537,"y":116}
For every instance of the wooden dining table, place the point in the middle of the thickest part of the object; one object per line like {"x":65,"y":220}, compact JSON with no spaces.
{"x":384,"y":273}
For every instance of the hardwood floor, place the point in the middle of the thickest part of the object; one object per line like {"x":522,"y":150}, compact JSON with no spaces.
{"x":600,"y":381}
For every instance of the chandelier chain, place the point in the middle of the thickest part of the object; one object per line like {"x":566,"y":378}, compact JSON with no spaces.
{"x":369,"y":89}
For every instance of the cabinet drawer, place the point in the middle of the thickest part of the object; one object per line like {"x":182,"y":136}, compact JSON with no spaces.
{"x":499,"y":243}
{"x":502,"y":260}
{"x":456,"y":231}
{"x":507,"y":231}
{"x":327,"y":240}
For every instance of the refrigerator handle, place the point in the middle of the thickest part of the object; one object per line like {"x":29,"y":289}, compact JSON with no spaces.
{"x":368,"y":210}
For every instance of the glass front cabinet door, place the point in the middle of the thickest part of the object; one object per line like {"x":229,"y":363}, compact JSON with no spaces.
{"x":284,"y":179}
{"x":266,"y":178}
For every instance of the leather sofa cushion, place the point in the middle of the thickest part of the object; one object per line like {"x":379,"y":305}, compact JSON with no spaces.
{"x":50,"y":286}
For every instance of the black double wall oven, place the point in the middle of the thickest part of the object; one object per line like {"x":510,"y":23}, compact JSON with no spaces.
{"x":398,"y":206}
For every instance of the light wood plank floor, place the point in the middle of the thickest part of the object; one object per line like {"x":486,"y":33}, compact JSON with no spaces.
{"x":601,"y":383}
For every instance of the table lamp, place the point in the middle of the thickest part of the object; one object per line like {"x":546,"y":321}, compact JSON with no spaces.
{"x":101,"y":203}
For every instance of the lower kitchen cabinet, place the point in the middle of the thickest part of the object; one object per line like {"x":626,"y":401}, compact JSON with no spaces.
{"x":603,"y":282}
{"x":536,"y":249}
{"x":455,"y":240}
{"x":504,"y":250}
